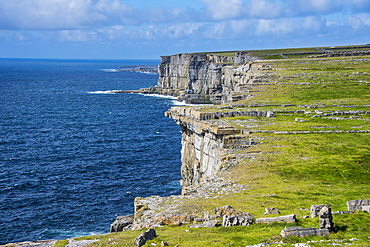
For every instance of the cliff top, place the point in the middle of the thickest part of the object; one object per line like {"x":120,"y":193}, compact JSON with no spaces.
{"x":292,"y":53}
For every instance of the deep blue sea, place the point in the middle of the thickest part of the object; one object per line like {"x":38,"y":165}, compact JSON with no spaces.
{"x":73,"y":156}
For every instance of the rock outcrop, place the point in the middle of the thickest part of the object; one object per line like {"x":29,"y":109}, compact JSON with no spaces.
{"x":121,"y":223}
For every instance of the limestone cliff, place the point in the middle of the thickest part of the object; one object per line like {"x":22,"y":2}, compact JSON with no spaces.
{"x":206,"y":78}
{"x":207,"y":142}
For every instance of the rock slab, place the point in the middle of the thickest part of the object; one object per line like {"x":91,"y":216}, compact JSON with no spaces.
{"x":303,"y":232}
{"x":356,"y":205}
{"x":286,"y":219}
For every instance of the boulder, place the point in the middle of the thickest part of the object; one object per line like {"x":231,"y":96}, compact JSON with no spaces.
{"x":237,"y":220}
{"x":145,"y":236}
{"x":357,"y":205}
{"x":303,"y":232}
{"x":286,"y":219}
{"x":315,"y":209}
{"x":326,"y":218}
{"x":271,"y":210}
{"x":121,"y":223}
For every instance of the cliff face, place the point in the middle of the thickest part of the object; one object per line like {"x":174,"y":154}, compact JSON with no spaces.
{"x":206,"y":78}
{"x":207,"y":143}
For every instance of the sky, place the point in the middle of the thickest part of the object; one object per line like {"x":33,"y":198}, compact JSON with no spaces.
{"x":148,"y":29}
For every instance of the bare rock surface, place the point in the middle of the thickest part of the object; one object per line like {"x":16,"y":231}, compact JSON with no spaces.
{"x":80,"y":243}
{"x":50,"y":243}
{"x":43,"y":243}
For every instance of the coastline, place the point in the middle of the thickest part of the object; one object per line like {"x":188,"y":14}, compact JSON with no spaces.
{"x":217,"y":146}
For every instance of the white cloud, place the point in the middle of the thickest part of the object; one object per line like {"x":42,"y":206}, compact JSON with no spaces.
{"x":359,"y":21}
{"x":224,"y":9}
{"x":264,"y":9}
{"x":276,"y":26}
{"x":51,"y":14}
{"x":314,"y":23}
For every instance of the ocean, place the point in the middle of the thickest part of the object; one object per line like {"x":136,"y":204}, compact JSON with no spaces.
{"x":74,"y":155}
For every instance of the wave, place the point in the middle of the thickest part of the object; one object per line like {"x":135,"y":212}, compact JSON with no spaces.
{"x":174,"y":99}
{"x":57,"y":233}
{"x":105,"y":92}
{"x":110,"y":70}
{"x":181,"y":103}
{"x":160,"y":96}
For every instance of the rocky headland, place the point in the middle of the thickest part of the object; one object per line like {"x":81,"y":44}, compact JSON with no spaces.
{"x":216,"y":138}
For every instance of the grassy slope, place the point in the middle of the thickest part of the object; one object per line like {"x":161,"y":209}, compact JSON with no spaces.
{"x":293,"y":172}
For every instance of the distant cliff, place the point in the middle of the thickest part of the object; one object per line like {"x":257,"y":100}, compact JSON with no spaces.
{"x":206,"y":78}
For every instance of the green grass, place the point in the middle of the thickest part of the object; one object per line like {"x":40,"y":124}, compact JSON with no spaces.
{"x":61,"y":243}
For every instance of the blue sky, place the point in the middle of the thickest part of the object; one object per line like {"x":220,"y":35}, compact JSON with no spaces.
{"x":127,"y":29}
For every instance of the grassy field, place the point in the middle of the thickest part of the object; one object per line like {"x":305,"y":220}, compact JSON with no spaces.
{"x":326,"y":103}
{"x":294,"y":53}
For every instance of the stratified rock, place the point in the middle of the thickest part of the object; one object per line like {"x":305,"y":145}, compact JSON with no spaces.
{"x":237,"y":220}
{"x":326,"y":218}
{"x":286,"y":219}
{"x":303,"y":232}
{"x":145,"y":236}
{"x":356,"y":205}
{"x":271,"y":210}
{"x":121,"y":223}
{"x":315,"y":209}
